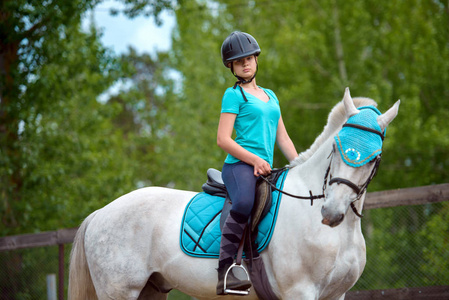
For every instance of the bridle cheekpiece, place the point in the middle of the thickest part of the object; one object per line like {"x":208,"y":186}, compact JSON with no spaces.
{"x":359,"y":142}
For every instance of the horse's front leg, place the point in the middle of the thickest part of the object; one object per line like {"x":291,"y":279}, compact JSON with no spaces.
{"x":306,"y":293}
{"x":301,"y":291}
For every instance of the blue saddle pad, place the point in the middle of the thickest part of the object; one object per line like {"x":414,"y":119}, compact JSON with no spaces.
{"x":200,"y":227}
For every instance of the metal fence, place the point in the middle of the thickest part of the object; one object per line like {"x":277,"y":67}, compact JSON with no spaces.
{"x":399,"y":253}
{"x":24,"y":272}
{"x":406,"y":254}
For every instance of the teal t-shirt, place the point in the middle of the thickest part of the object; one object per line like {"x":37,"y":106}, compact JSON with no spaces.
{"x":256,"y":122}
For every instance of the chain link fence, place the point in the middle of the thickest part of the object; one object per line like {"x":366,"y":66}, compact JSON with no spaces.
{"x":406,"y":247}
{"x":24,"y":272}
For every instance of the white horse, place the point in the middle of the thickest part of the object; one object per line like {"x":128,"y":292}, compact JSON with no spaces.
{"x":130,"y":248}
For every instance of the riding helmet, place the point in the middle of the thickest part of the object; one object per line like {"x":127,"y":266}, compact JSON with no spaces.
{"x":238,"y":45}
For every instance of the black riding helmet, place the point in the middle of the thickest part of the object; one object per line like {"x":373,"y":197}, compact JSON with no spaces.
{"x":236,"y":46}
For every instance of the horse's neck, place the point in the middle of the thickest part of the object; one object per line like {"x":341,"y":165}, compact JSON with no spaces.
{"x":312,"y":171}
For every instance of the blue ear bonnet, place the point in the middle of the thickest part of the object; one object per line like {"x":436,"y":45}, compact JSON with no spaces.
{"x":358,"y":146}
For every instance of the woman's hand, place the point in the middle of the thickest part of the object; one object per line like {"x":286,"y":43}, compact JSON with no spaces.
{"x":261,"y":167}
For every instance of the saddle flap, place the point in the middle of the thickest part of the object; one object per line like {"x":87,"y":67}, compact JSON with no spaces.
{"x":262,"y":203}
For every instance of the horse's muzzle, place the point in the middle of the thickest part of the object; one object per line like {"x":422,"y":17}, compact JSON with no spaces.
{"x":331,"y":220}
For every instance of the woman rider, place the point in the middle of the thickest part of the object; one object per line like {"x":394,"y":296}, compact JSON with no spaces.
{"x":254,"y":113}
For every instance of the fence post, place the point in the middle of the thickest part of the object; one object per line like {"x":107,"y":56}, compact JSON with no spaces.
{"x":61,"y":273}
{"x":51,"y":287}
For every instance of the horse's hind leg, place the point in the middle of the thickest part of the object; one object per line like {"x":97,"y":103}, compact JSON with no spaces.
{"x":155,"y":289}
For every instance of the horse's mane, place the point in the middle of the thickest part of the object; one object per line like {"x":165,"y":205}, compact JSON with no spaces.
{"x":335,"y":120}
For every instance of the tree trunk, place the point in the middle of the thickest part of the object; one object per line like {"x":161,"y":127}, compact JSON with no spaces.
{"x":10,"y":177}
{"x":338,"y":44}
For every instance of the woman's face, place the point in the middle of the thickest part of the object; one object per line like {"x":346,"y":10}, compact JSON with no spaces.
{"x":245,"y":67}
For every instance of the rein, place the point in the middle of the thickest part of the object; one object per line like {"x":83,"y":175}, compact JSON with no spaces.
{"x":359,"y":190}
{"x":311,"y":197}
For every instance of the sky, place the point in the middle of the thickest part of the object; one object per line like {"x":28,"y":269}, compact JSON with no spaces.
{"x":142,"y":33}
{"x":119,"y":32}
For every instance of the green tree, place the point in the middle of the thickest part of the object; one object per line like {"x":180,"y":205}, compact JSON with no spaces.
{"x":21,"y":28}
{"x":144,"y":102}
{"x":57,"y":144}
{"x":193,"y":119}
{"x":63,"y":153}
{"x":45,"y":61}
{"x":436,"y":253}
{"x":385,"y":51}
{"x":67,"y":144}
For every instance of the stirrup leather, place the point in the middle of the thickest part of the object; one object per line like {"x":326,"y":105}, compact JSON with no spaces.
{"x":235,"y":292}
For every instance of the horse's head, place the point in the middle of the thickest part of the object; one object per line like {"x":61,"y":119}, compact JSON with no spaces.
{"x":355,"y":158}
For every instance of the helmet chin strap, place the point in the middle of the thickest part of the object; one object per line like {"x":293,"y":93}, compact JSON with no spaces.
{"x":242,"y":80}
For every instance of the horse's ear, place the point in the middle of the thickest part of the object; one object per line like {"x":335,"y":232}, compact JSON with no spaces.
{"x":349,"y":104}
{"x":387,"y":117}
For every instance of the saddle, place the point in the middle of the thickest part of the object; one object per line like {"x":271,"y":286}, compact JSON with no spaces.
{"x":262,"y":202}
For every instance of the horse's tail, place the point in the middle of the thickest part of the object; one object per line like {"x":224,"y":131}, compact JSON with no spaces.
{"x":81,"y":286}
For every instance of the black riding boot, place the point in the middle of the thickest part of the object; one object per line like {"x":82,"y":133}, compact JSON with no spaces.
{"x":230,"y":238}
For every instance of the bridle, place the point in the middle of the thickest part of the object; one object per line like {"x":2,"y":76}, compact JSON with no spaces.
{"x":358,"y":189}
{"x":329,"y":180}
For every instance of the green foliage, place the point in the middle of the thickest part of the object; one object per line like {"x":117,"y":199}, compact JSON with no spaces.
{"x":308,"y":57}
{"x":61,"y":157}
{"x":144,"y":102}
{"x":177,"y":295}
{"x":42,"y":73}
{"x":436,"y":254}
{"x":400,"y":241}
{"x":24,"y":274}
{"x":72,"y":167}
{"x":64,"y":154}
{"x":148,"y":8}
{"x":385,"y":51}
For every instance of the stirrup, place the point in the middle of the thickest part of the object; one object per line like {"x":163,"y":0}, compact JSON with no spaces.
{"x":235,"y":292}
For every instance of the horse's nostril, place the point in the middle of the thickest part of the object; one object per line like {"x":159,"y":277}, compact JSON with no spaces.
{"x":323,"y":209}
